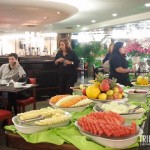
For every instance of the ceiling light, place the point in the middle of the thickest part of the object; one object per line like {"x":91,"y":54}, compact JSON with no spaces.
{"x":85,"y":28}
{"x":58,"y":12}
{"x":147,"y":4}
{"x":78,"y":25}
{"x":114,"y":15}
{"x":45,"y":17}
{"x":93,"y":21}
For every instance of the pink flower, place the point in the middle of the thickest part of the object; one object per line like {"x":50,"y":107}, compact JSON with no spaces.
{"x":138,"y":46}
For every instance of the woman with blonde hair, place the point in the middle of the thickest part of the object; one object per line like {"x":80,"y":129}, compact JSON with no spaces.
{"x":67,"y":62}
{"x":110,"y":49}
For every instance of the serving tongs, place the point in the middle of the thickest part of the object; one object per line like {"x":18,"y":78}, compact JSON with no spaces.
{"x":99,"y":108}
{"x":132,"y":111}
{"x":28,"y":121}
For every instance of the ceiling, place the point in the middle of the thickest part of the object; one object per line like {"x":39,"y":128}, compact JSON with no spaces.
{"x":18,"y":16}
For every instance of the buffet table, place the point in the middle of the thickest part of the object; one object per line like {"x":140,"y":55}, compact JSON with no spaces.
{"x":68,"y":138}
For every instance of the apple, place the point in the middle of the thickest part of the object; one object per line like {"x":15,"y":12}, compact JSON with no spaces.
{"x":84,"y":91}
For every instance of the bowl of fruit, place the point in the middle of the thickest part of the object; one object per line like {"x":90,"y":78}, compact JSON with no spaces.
{"x":142,"y":82}
{"x":104,"y":90}
{"x":138,"y":94}
{"x":109,"y":128}
{"x":70,"y":103}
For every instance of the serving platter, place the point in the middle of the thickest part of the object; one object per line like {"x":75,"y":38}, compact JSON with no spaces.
{"x":71,"y":109}
{"x":123,"y":100}
{"x":122,"y":143}
{"x":31,"y":127}
{"x":127,"y":115}
{"x":141,"y":86}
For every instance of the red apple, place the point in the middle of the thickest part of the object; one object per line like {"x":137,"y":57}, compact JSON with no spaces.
{"x":84,"y":91}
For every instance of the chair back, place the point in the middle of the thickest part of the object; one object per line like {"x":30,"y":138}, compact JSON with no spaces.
{"x":32,"y":80}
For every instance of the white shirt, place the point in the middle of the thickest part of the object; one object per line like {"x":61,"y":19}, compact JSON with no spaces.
{"x":8,"y":73}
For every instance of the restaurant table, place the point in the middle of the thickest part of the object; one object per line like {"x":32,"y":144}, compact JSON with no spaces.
{"x":14,"y":140}
{"x":12,"y":89}
{"x":62,"y":136}
{"x":15,"y":90}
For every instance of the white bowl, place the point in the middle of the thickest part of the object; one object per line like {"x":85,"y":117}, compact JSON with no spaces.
{"x":141,"y":86}
{"x":128,"y":116}
{"x":71,"y":109}
{"x":138,"y":97}
{"x":29,"y":129}
{"x":118,"y":143}
{"x":133,"y":116}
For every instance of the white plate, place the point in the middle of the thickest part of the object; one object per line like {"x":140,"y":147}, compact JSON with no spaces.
{"x":29,"y":128}
{"x":71,"y":109}
{"x":141,"y":86}
{"x":119,"y":143}
{"x":123,"y":100}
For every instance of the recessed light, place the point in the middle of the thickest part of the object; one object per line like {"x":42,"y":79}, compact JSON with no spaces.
{"x":93,"y":21}
{"x":45,"y":17}
{"x":147,"y":4}
{"x":58,"y":12}
{"x":114,"y":14}
{"x":78,"y":25}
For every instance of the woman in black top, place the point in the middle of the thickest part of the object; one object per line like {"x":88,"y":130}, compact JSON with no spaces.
{"x":119,"y":65}
{"x":67,"y":62}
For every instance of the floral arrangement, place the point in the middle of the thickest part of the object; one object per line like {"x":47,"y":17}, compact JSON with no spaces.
{"x":138,"y":47}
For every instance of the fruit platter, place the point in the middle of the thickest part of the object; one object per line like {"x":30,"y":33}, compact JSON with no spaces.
{"x":127,"y":111}
{"x":108,"y":128}
{"x":38,"y":120}
{"x":142,"y":82}
{"x":104,"y":90}
{"x":70,"y":103}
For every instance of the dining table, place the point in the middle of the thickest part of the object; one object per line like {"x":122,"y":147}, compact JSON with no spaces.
{"x":12,"y":89}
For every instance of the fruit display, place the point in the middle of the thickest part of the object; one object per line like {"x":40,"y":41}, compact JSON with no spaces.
{"x":106,"y":124}
{"x":104,"y":89}
{"x":70,"y":101}
{"x":119,"y":108}
{"x":44,"y":116}
{"x":141,"y":80}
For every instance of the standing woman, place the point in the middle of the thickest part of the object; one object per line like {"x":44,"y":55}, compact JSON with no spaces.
{"x":67,"y":62}
{"x":110,"y":49}
{"x":119,"y":65}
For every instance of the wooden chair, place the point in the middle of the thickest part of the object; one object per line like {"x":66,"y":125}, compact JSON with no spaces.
{"x":31,"y":100}
{"x":6,"y":115}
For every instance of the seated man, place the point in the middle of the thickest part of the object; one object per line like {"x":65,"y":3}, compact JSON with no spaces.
{"x":12,"y":71}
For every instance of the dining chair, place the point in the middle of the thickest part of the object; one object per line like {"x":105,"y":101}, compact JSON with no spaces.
{"x":6,"y":115}
{"x":31,"y":100}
